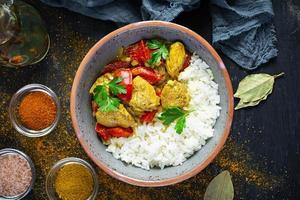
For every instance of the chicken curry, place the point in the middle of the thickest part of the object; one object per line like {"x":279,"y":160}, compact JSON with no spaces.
{"x":141,"y":82}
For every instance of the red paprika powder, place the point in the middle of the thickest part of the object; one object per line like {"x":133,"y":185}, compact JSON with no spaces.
{"x":37,"y":111}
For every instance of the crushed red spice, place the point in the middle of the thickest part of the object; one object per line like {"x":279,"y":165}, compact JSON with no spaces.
{"x":37,"y":110}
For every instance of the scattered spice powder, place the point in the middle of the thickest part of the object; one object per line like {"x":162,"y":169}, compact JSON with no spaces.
{"x":15,"y":175}
{"x":37,"y":110}
{"x":74,"y":182}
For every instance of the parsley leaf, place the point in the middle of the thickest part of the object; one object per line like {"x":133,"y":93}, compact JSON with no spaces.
{"x":102,"y":98}
{"x":180,"y":125}
{"x":115,"y":88}
{"x":100,"y":92}
{"x":153,"y":44}
{"x":109,"y":104}
{"x":164,"y":52}
{"x":155,"y":58}
{"x":171,"y":115}
{"x":160,"y":52}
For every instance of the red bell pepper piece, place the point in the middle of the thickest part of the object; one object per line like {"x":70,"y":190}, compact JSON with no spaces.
{"x":101,"y":131}
{"x":158,"y":93}
{"x":106,"y":133}
{"x":148,"y":117}
{"x":139,"y":52}
{"x":126,"y":82}
{"x":147,"y":73}
{"x":115,"y":65}
{"x":187,"y":61}
{"x":119,"y":132}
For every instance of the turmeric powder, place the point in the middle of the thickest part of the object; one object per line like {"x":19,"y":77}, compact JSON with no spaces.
{"x":74,"y":182}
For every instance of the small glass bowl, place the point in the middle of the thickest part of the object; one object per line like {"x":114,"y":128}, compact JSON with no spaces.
{"x":14,"y":105}
{"x":11,"y":151}
{"x":50,"y":180}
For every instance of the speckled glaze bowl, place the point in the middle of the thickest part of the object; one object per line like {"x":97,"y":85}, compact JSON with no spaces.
{"x":102,"y":53}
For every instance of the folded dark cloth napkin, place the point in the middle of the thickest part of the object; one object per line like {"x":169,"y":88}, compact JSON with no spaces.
{"x":242,"y":29}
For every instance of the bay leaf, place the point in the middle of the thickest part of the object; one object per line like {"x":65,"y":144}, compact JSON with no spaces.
{"x":242,"y":104}
{"x":246,"y":104}
{"x":220,"y":188}
{"x":255,"y":86}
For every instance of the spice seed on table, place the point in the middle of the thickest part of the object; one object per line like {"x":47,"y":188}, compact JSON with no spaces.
{"x":15,"y":175}
{"x":74,"y":182}
{"x":37,"y":111}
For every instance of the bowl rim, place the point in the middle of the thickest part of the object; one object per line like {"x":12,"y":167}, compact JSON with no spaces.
{"x":213,"y":153}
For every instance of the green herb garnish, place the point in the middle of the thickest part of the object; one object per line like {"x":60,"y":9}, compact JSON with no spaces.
{"x":180,"y":124}
{"x":102,"y":97}
{"x":172,"y":114}
{"x":160,"y":52}
{"x":115,"y":88}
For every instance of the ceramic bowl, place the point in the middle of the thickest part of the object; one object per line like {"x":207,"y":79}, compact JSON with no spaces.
{"x":83,"y":122}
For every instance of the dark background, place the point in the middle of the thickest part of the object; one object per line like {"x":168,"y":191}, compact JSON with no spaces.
{"x":262,"y":153}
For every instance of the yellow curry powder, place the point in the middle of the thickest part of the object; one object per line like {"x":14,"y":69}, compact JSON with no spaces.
{"x":74,"y":182}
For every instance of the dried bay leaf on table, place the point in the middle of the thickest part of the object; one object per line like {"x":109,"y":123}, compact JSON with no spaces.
{"x":242,"y":104}
{"x":254,"y":88}
{"x":220,"y":188}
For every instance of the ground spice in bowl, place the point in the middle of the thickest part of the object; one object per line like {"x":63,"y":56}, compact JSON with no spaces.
{"x":15,"y":175}
{"x":34,"y":110}
{"x":74,"y":182}
{"x":37,"y":110}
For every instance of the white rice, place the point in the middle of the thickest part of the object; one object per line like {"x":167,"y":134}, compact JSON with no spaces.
{"x":153,"y":145}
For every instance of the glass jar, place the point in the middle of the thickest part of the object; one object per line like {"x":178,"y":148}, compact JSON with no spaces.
{"x":8,"y":21}
{"x":24,"y":39}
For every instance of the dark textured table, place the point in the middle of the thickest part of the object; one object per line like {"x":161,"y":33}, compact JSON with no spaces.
{"x":262,"y":153}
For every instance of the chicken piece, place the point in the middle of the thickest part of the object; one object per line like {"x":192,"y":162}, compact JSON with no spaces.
{"x":174,"y":94}
{"x":105,"y":78}
{"x":164,"y":79}
{"x":121,"y":118}
{"x":176,"y":59}
{"x":143,"y":97}
{"x":161,"y":70}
